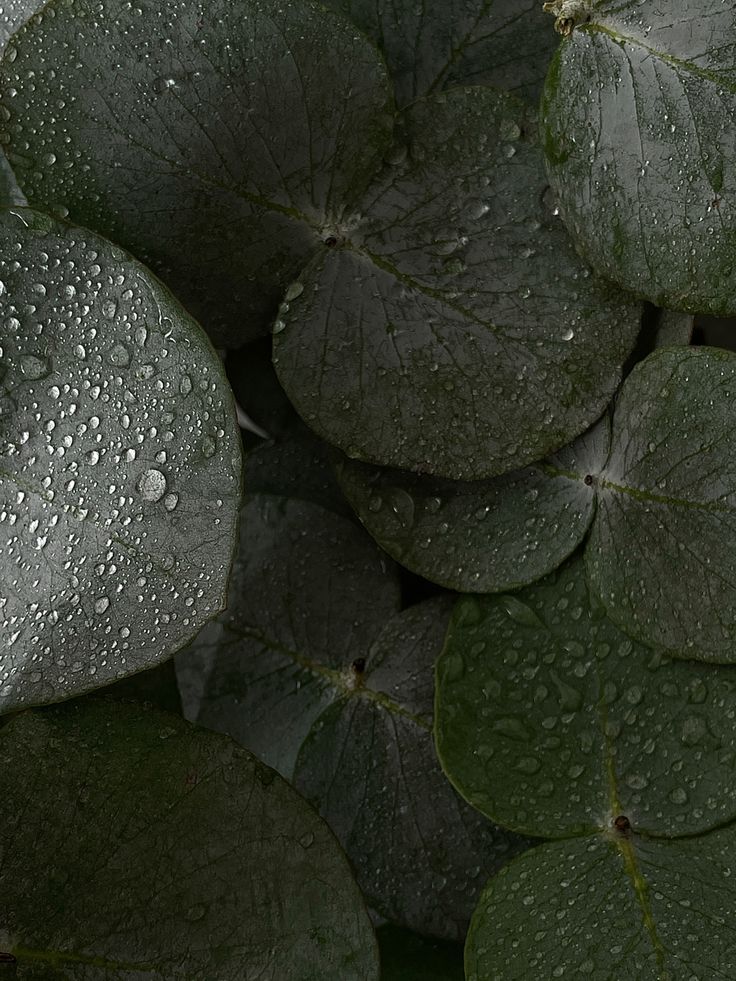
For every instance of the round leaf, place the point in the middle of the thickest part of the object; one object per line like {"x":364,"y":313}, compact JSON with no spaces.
{"x":308,"y":594}
{"x":553,"y":722}
{"x":454,"y":330}
{"x":217,"y":149}
{"x":481,"y":536}
{"x":604,"y":908}
{"x":638,"y":120}
{"x":661,"y":552}
{"x":134,"y":844}
{"x":119,"y":465}
{"x":507,"y":43}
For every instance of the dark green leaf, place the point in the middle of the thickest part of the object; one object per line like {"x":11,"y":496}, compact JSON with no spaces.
{"x":406,"y":956}
{"x":134,"y":845}
{"x":212,"y":139}
{"x":300,"y":664}
{"x":430,"y":45}
{"x":610,"y":907}
{"x":481,"y":536}
{"x":454,"y":330}
{"x":119,"y":465}
{"x":308,"y":594}
{"x":553,"y":722}
{"x":661,"y":552}
{"x":638,"y":119}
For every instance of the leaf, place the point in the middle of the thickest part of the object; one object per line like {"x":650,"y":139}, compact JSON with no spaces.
{"x":119,"y":466}
{"x":436,"y":44}
{"x":406,"y":956}
{"x":220,"y":149}
{"x":638,"y":121}
{"x":660,"y":554}
{"x":454,"y":330}
{"x":308,"y":593}
{"x":553,"y":723}
{"x":154,"y":848}
{"x":314,"y":668}
{"x":14,"y":13}
{"x":481,"y":536}
{"x":610,"y":907}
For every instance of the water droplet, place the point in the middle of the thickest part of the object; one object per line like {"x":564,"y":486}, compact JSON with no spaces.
{"x":151,"y":485}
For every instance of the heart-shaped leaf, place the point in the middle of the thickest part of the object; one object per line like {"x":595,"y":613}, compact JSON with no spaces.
{"x":428,"y":46}
{"x":119,"y":465}
{"x":638,"y":119}
{"x":553,"y":722}
{"x":156,"y":849}
{"x":611,"y":906}
{"x":221,"y":148}
{"x":482,"y":536}
{"x":454,"y":330}
{"x":661,"y":551}
{"x":313,"y":667}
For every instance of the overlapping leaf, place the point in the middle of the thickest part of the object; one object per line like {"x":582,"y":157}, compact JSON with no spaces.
{"x":133,"y":844}
{"x":313,"y":667}
{"x":638,"y":118}
{"x":552,"y":721}
{"x":428,"y":46}
{"x":219,"y":146}
{"x":119,"y":465}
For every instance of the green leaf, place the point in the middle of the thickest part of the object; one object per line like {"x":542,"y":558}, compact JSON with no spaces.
{"x":313,"y":667}
{"x":660,"y":554}
{"x":219,"y":149}
{"x":610,"y":907}
{"x":428,"y":46}
{"x":481,"y":536}
{"x":154,"y":848}
{"x":553,"y":722}
{"x":406,"y":956}
{"x":308,"y":593}
{"x":638,"y":121}
{"x":454,"y":330}
{"x":119,"y":465}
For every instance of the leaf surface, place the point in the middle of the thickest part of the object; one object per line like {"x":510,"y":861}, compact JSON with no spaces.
{"x":218,"y":148}
{"x":481,"y":536}
{"x":638,"y":120}
{"x":661,"y":552}
{"x":453,"y":329}
{"x":439,"y":43}
{"x":137,"y":846}
{"x":554,"y":723}
{"x":119,"y":465}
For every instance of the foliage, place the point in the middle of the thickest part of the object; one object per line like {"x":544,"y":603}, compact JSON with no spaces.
{"x":466,"y":390}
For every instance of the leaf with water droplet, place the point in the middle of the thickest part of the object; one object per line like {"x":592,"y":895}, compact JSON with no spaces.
{"x":399,"y":361}
{"x":313,"y":667}
{"x":482,"y":536}
{"x":192,"y":832}
{"x":559,"y":722}
{"x":666,"y":516}
{"x":441,"y":43}
{"x":185,"y":156}
{"x":666,"y":80}
{"x":101,"y":576}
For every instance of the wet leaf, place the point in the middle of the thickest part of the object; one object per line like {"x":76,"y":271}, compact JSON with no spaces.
{"x":314,"y":668}
{"x":481,"y":536}
{"x":407,"y":956}
{"x":607,"y":907}
{"x":439,"y":43}
{"x":454,"y":330}
{"x":553,"y":722}
{"x":14,"y":13}
{"x":149,"y":849}
{"x":219,"y":150}
{"x":661,"y":551}
{"x":119,"y":465}
{"x":638,"y":121}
